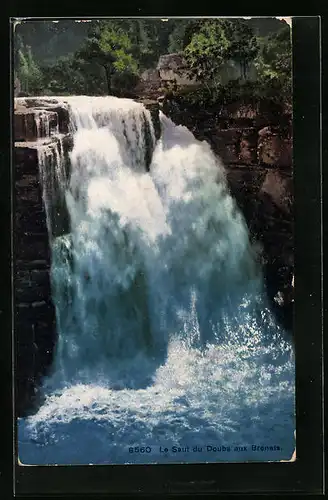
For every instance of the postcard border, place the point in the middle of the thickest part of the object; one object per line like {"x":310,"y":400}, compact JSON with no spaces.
{"x":306,"y":474}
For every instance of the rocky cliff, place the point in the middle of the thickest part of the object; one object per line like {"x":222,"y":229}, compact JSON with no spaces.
{"x":37,"y":125}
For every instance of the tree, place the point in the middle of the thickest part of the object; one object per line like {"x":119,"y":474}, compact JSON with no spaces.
{"x":207,"y":50}
{"x":274,"y":61}
{"x":243,"y":45}
{"x":142,"y":40}
{"x":180,"y":35}
{"x":35,"y":74}
{"x":110,"y":47}
{"x":149,"y":38}
{"x":23,"y":73}
{"x":192,"y":27}
{"x":214,"y":42}
{"x":63,"y":77}
{"x":277,"y":51}
{"x":50,"y":40}
{"x":28,"y":72}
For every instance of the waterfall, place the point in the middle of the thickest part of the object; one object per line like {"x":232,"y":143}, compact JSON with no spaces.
{"x":165,"y":334}
{"x":53,"y":178}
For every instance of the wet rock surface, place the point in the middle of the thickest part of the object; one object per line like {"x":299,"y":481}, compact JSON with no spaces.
{"x":32,"y":295}
{"x":35,"y":125}
{"x":153,"y":107}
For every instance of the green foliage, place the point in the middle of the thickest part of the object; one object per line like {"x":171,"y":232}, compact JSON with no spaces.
{"x":28,"y":72}
{"x":60,"y":79}
{"x":180,"y":35}
{"x":72,"y":75}
{"x":242,"y":43}
{"x":139,"y":40}
{"x":125,"y":47}
{"x":216,"y":41}
{"x":207,"y":50}
{"x":108,"y":45}
{"x":210,"y":97}
{"x":107,"y":56}
{"x":123,"y":82}
{"x":144,"y":41}
{"x":115,"y":48}
{"x":274,"y":62}
{"x":49,"y":40}
{"x":192,"y":27}
{"x":158,"y":33}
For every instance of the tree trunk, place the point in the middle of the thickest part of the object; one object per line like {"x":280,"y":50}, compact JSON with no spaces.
{"x":108,"y":79}
{"x":243,"y":69}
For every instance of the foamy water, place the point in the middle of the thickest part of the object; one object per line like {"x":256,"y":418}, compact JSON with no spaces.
{"x":166,"y":341}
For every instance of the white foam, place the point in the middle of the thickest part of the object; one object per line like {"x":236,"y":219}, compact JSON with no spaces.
{"x":165,"y":337}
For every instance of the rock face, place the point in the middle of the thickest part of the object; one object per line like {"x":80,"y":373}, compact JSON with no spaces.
{"x":153,"y":108}
{"x":34,"y":312}
{"x":274,"y":149}
{"x":151,"y":75}
{"x":173,"y":67}
{"x":34,"y":321}
{"x":255,"y":143}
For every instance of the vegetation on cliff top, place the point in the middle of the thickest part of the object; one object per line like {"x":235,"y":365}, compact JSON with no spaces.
{"x":215,"y":41}
{"x":107,"y":56}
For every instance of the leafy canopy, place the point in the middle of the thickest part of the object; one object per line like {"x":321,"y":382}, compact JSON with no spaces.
{"x":28,"y":71}
{"x":115,"y":46}
{"x":107,"y":56}
{"x":216,"y":41}
{"x":207,"y":50}
{"x":274,"y":61}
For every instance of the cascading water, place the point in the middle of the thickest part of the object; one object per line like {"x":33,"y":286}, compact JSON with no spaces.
{"x":165,"y":335}
{"x":53,"y":177}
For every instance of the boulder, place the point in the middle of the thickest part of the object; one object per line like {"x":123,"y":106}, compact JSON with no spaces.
{"x":173,"y":68}
{"x":175,"y":61}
